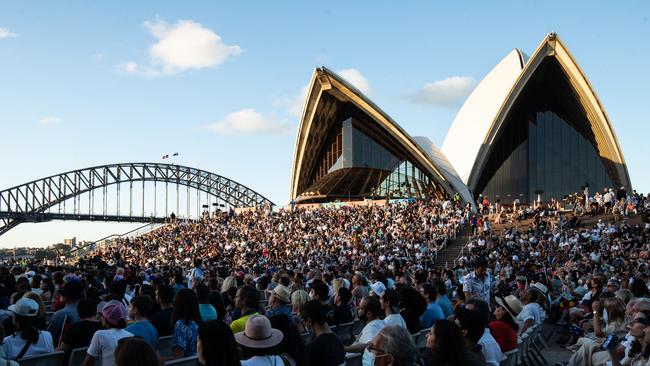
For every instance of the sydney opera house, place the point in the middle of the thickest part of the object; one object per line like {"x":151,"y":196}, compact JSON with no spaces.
{"x":532,"y":129}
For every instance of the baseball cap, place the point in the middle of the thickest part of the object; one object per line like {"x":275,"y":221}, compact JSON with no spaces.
{"x":114,"y":312}
{"x":25,"y":307}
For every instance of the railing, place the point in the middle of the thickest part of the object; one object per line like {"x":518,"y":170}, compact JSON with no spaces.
{"x":83,"y":250}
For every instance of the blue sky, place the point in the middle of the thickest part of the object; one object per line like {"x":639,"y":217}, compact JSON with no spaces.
{"x":84,"y":84}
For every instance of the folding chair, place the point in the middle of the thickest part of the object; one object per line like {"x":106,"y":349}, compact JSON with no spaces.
{"x":185,"y":361}
{"x":77,"y":356}
{"x":165,"y":345}
{"x":47,"y":359}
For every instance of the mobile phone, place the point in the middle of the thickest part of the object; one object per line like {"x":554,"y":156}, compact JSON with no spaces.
{"x":610,"y":342}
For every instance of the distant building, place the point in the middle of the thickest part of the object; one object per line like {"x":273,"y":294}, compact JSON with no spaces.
{"x":70,"y":242}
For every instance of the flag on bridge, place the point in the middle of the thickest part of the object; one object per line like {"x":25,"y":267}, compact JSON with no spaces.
{"x":166,"y":156}
{"x":175,"y":154}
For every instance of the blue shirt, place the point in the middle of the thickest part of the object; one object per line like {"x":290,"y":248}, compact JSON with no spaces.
{"x":208,"y":312}
{"x":284,"y":309}
{"x":185,"y":337}
{"x":445,"y":305}
{"x":433,"y":313}
{"x":145,"y":330}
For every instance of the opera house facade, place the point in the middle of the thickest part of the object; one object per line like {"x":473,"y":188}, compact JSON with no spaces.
{"x":532,"y":129}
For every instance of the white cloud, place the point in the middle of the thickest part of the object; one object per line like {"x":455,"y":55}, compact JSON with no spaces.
{"x":249,"y":121}
{"x":128,"y":67}
{"x":448,"y":92}
{"x":50,"y":120}
{"x":98,"y":56}
{"x":354,"y":77}
{"x":6,"y":33}
{"x":179,"y":47}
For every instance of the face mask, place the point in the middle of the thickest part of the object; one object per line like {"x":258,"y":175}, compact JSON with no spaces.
{"x":368,"y":358}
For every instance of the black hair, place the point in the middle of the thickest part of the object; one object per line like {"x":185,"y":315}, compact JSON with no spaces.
{"x":186,"y":307}
{"x":143,"y":304}
{"x":292,"y":343}
{"x":345,"y":294}
{"x":249,"y":296}
{"x":203,"y":293}
{"x":429,"y":291}
{"x":373,"y":305}
{"x":482,"y":308}
{"x":321,"y":290}
{"x":135,"y":351}
{"x":87,"y":308}
{"x":217,"y":301}
{"x":216,"y":332}
{"x":440,"y":287}
{"x":392,"y":296}
{"x":314,"y":311}
{"x":27,"y":327}
{"x":165,"y":294}
{"x":450,"y":346}
{"x":472,"y":322}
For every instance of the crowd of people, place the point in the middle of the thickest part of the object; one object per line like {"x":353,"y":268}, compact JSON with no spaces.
{"x":263,"y":287}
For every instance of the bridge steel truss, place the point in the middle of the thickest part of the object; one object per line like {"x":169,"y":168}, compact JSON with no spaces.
{"x":29,"y":202}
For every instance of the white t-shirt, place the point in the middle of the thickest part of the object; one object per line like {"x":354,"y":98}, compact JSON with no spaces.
{"x":270,"y":360}
{"x":490,"y":349}
{"x":104,"y":343}
{"x":370,"y":330}
{"x":530,"y":311}
{"x":13,"y":344}
{"x":394,"y":319}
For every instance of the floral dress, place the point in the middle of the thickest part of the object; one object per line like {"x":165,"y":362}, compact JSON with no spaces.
{"x":185,"y":337}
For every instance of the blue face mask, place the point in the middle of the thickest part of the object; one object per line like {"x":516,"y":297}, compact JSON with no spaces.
{"x":368,"y":358}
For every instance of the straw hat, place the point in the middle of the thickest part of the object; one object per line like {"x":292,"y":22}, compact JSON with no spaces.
{"x":511,"y":304}
{"x":540,"y":287}
{"x":258,"y":333}
{"x":282,"y":293}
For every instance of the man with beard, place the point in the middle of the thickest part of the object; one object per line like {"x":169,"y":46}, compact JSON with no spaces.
{"x":369,"y":312}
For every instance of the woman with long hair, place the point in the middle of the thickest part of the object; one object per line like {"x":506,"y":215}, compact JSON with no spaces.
{"x":212,"y":333}
{"x":47,"y":286}
{"x":40,"y":321}
{"x":28,"y":340}
{"x":292,"y":347}
{"x":186,"y":319}
{"x":504,"y":328}
{"x":411,"y":306}
{"x":445,"y":345}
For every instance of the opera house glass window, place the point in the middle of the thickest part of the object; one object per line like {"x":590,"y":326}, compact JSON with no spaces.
{"x":354,"y":165}
{"x":547,"y":149}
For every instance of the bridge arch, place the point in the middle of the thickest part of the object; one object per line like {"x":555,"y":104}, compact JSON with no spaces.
{"x":29,"y":201}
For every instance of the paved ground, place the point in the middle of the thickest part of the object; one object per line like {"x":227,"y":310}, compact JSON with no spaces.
{"x":554,"y":353}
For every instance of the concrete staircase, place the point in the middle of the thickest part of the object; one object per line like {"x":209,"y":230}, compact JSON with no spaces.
{"x":447,"y":256}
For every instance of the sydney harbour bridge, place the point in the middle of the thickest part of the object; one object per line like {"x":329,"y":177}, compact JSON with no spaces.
{"x":125,"y":192}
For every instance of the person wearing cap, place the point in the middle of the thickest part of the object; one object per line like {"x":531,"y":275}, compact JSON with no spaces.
{"x":71,"y":293}
{"x":28,"y":340}
{"x":280,"y":301}
{"x":104,"y":342}
{"x":259,"y":342}
{"x":478,"y":283}
{"x":521,"y":286}
{"x":504,"y":328}
{"x":326,"y":349}
{"x":434,"y":311}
